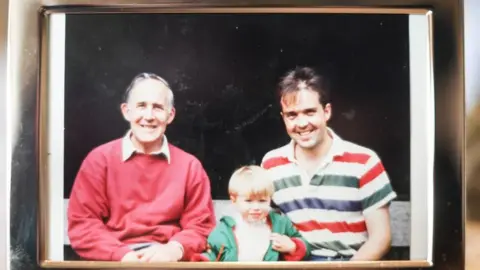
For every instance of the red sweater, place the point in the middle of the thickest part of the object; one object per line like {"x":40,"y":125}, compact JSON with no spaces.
{"x":144,"y":199}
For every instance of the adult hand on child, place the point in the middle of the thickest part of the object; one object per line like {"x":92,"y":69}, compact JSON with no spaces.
{"x":282,"y":243}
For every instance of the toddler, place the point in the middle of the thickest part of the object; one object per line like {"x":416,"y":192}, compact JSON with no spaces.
{"x":255,"y":233}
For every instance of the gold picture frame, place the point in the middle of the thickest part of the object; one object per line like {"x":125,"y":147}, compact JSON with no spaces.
{"x":30,"y":86}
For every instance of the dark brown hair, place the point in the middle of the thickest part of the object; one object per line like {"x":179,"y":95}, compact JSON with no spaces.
{"x":313,"y":81}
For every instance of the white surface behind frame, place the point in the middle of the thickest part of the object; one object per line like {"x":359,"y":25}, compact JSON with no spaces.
{"x":422,"y":137}
{"x":5,"y":135}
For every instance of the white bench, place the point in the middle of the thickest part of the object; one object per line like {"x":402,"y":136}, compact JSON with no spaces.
{"x":399,"y":219}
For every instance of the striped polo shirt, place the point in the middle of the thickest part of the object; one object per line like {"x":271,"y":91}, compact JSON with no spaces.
{"x":329,"y":208}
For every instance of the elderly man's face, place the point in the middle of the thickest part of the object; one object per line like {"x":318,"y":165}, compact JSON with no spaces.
{"x":149,"y":112}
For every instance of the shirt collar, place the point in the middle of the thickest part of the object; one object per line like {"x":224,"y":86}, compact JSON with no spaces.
{"x":128,"y":148}
{"x":336,"y":149}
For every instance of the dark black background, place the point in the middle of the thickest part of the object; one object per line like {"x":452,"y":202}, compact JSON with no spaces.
{"x":223,"y":70}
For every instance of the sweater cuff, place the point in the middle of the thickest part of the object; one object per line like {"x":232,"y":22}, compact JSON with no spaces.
{"x":299,"y":253}
{"x":118,"y":254}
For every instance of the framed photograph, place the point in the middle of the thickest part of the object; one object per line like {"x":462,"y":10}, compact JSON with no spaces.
{"x":138,"y":119}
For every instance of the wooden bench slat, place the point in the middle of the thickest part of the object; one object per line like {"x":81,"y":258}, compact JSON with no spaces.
{"x":399,"y":220}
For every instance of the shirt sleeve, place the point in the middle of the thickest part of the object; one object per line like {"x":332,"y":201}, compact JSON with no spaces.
{"x":375,"y":188}
{"x":87,"y":208}
{"x":198,"y":217}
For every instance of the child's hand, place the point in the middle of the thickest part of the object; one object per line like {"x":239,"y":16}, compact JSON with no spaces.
{"x":282,"y":243}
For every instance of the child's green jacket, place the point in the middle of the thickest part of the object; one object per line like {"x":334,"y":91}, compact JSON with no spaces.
{"x":222,"y":245}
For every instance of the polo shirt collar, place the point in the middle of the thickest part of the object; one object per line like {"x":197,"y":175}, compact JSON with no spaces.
{"x":128,"y":148}
{"x":336,"y":149}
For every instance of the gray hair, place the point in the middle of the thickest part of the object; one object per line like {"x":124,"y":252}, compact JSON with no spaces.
{"x":143,"y":76}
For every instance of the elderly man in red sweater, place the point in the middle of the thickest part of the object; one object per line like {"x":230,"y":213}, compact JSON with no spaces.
{"x":139,"y":198}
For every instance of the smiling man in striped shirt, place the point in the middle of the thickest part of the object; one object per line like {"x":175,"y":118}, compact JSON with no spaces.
{"x":336,"y":192}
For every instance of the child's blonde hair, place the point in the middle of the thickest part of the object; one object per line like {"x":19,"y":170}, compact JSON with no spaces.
{"x":251,"y":181}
